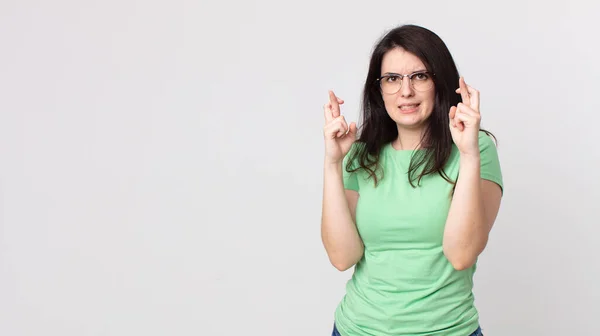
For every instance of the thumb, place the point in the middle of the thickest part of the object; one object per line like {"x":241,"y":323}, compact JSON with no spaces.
{"x":451,"y":116}
{"x":352,"y":128}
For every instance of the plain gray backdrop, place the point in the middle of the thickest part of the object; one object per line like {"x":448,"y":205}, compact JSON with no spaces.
{"x":161,"y":161}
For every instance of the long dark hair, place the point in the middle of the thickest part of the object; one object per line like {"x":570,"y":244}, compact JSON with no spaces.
{"x":378,"y":129}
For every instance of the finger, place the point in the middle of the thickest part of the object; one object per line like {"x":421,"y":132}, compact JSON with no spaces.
{"x":474,"y":117}
{"x":336,"y":128}
{"x":464,"y":108}
{"x":457,"y":123}
{"x":335,"y":107}
{"x":340,"y":100}
{"x":344,"y":129}
{"x":352,"y":128}
{"x":327,"y":112}
{"x":467,"y":119}
{"x":464,"y":92}
{"x":463,"y":117}
{"x":452,"y":115}
{"x":474,"y":97}
{"x":458,"y":118}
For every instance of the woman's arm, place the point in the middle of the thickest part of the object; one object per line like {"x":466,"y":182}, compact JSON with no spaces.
{"x":338,"y":229}
{"x":473,"y":210}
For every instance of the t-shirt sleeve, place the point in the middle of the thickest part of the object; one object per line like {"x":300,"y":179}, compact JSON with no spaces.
{"x":490,"y":162}
{"x":350,"y":179}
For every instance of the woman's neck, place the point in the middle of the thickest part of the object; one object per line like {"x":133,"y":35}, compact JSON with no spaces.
{"x":408,"y":139}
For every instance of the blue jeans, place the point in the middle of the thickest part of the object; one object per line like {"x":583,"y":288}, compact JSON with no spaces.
{"x":477,"y":332}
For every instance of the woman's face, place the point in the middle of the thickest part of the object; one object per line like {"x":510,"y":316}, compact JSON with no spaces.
{"x":412,"y":104}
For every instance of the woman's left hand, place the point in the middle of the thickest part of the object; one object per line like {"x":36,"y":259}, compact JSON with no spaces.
{"x":465,"y":120}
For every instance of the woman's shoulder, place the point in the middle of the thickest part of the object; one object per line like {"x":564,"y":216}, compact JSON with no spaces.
{"x":486,"y":138}
{"x":487,"y":141}
{"x":353,"y":152}
{"x":355,"y":148}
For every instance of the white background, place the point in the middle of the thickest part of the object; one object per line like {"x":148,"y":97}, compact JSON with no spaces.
{"x":161,"y":162}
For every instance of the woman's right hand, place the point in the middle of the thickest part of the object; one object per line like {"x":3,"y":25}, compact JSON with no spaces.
{"x":339,"y":136}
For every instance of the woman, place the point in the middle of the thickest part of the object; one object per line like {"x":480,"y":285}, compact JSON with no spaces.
{"x":411,"y":201}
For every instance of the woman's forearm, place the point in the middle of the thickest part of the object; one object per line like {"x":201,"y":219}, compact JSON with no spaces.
{"x":466,"y":232}
{"x":338,"y":230}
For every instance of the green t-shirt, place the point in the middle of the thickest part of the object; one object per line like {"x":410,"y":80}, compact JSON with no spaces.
{"x":404,"y":284}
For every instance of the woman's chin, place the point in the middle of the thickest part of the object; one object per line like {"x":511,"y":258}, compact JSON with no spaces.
{"x":412,"y":120}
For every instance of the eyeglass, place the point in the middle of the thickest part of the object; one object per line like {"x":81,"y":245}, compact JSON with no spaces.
{"x":392,"y":82}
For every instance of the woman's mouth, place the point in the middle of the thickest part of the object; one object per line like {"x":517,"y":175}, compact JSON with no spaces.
{"x":409,"y":108}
